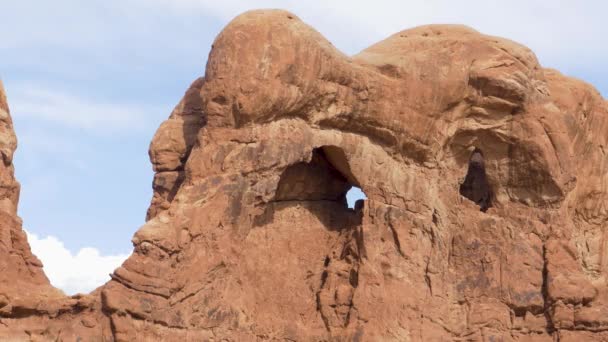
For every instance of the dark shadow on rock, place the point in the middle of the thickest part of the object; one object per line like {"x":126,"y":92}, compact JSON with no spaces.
{"x":476,"y":186}
{"x":320,"y":186}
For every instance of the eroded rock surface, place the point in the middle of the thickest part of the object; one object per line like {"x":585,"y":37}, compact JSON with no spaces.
{"x":249,"y":237}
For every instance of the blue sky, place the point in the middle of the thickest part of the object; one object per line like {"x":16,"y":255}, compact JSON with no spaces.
{"x":89,"y":82}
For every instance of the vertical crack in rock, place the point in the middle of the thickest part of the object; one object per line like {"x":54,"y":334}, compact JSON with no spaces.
{"x":427,"y":277}
{"x":324,"y":275}
{"x":339,"y":280}
{"x":545,"y":292}
{"x":476,"y":186}
{"x":327,"y":178}
{"x":389,"y":221}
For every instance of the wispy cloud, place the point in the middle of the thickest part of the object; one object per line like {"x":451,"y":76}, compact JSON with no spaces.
{"x":73,"y":273}
{"x":64,"y":33}
{"x":565,"y":35}
{"x":565,"y":30}
{"x":568,"y":32}
{"x":32,"y":102}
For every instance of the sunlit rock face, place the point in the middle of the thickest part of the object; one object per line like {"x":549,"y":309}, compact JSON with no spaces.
{"x":19,"y":269}
{"x":249,"y":236}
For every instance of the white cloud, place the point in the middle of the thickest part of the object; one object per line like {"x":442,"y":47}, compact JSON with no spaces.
{"x":73,"y":273}
{"x":29,"y":101}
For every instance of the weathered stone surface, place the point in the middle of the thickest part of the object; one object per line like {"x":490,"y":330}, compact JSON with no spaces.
{"x":248,"y":235}
{"x":9,"y":187}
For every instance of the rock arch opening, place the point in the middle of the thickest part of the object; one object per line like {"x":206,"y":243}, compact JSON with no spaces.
{"x":476,"y":186}
{"x":355,"y":197}
{"x":326,"y":177}
{"x":324,"y":193}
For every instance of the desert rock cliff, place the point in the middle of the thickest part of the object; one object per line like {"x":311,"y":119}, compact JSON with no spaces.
{"x":248,"y":235}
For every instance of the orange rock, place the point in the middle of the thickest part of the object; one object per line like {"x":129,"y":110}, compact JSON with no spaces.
{"x":249,"y":236}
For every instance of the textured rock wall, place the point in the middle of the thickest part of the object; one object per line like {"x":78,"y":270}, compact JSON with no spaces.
{"x":249,"y":238}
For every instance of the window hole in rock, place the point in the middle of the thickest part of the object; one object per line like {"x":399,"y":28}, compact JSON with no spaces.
{"x":354,"y":197}
{"x":323,"y":186}
{"x":327,"y":177}
{"x":476,"y":186}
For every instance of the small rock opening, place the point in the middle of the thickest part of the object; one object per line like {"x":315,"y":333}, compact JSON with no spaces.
{"x":354,"y":197}
{"x":476,"y":186}
{"x":327,"y":177}
{"x":337,"y":158}
{"x":326,"y":187}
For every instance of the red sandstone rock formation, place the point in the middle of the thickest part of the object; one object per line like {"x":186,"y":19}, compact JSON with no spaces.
{"x":248,"y":236}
